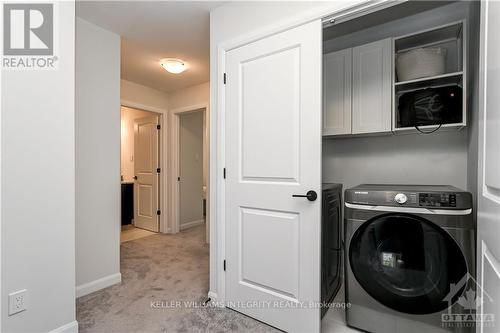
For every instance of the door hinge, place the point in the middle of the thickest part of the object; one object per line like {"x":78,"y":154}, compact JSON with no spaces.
{"x":158,"y":212}
{"x":158,"y":127}
{"x":158,"y":170}
{"x":224,"y":173}
{"x":224,"y":265}
{"x":224,"y":78}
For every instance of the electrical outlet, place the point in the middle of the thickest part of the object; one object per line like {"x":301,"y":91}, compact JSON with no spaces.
{"x":18,"y":301}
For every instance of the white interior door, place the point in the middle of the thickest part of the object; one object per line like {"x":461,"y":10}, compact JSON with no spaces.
{"x":146,"y":203}
{"x":489,"y":167}
{"x":273,"y":142}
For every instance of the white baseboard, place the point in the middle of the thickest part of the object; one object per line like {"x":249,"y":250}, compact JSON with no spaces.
{"x":67,"y":328}
{"x":191,"y":224}
{"x":213,"y":296}
{"x":98,"y":284}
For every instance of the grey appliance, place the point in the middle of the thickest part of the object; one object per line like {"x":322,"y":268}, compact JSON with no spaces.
{"x":331,"y":243}
{"x":410,"y":255}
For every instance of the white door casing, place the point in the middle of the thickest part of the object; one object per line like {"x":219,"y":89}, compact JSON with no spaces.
{"x":146,"y":199}
{"x":273,"y":150}
{"x":190,"y":159}
{"x":174,"y":173}
{"x":371,"y":87}
{"x":337,"y":74}
{"x":488,"y":214}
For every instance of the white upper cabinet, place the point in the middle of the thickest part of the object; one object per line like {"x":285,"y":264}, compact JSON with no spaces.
{"x":371,"y":87}
{"x":337,"y":73}
{"x":357,"y":89}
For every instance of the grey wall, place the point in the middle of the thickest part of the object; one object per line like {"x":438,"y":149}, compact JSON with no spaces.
{"x":191,"y":168}
{"x":38,"y":188}
{"x":439,"y":158}
{"x":97,"y":157}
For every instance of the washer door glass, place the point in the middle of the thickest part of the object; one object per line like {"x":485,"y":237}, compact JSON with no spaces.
{"x":406,"y":263}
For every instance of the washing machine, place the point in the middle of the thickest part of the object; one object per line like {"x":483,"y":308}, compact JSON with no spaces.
{"x":410,"y":257}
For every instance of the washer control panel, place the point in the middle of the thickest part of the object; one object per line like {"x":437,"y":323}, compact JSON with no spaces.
{"x":437,"y":200}
{"x":401,"y":198}
{"x":415,"y":196}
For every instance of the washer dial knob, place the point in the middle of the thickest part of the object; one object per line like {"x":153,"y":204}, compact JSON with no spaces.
{"x":401,"y":198}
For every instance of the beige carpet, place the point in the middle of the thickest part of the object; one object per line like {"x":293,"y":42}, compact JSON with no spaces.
{"x":158,"y":271}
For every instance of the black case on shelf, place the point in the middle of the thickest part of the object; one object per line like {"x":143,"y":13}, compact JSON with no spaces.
{"x":431,"y":106}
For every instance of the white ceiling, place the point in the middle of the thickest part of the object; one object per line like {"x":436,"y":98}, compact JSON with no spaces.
{"x":152,"y":30}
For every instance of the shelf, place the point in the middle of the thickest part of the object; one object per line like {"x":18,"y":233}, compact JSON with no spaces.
{"x":429,"y":36}
{"x":452,"y":38}
{"x":428,"y":82}
{"x":429,"y":78}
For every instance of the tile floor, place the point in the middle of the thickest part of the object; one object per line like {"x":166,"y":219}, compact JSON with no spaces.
{"x":129,"y":233}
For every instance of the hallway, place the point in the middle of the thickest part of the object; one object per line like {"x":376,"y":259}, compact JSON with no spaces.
{"x":157,"y":270}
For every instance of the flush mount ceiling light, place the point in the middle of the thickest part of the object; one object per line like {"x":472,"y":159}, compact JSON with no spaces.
{"x":174,"y":66}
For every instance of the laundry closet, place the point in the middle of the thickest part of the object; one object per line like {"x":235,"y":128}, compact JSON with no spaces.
{"x":367,"y":137}
{"x":387,"y":95}
{"x":399,"y":109}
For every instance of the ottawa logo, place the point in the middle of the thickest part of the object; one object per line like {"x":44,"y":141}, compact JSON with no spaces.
{"x":467,"y":311}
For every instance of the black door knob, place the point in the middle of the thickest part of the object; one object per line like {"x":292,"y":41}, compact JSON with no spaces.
{"x":135,"y":177}
{"x":310,"y":195}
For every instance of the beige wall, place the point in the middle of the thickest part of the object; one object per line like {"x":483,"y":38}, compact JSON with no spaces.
{"x":139,"y":95}
{"x":195,"y":95}
{"x":128,"y":115}
{"x":97,"y":158}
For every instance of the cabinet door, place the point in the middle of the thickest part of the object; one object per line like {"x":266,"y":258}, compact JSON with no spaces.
{"x":371,"y":100}
{"x":337,"y":73}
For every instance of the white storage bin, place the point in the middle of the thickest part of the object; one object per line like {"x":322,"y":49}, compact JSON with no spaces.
{"x":421,"y":62}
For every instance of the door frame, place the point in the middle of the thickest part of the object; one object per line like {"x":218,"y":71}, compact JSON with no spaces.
{"x":175,"y":114}
{"x":486,"y":254}
{"x":163,"y":150}
{"x":217,"y":161}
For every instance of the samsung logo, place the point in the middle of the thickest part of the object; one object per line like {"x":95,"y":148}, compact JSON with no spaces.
{"x":360,"y":192}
